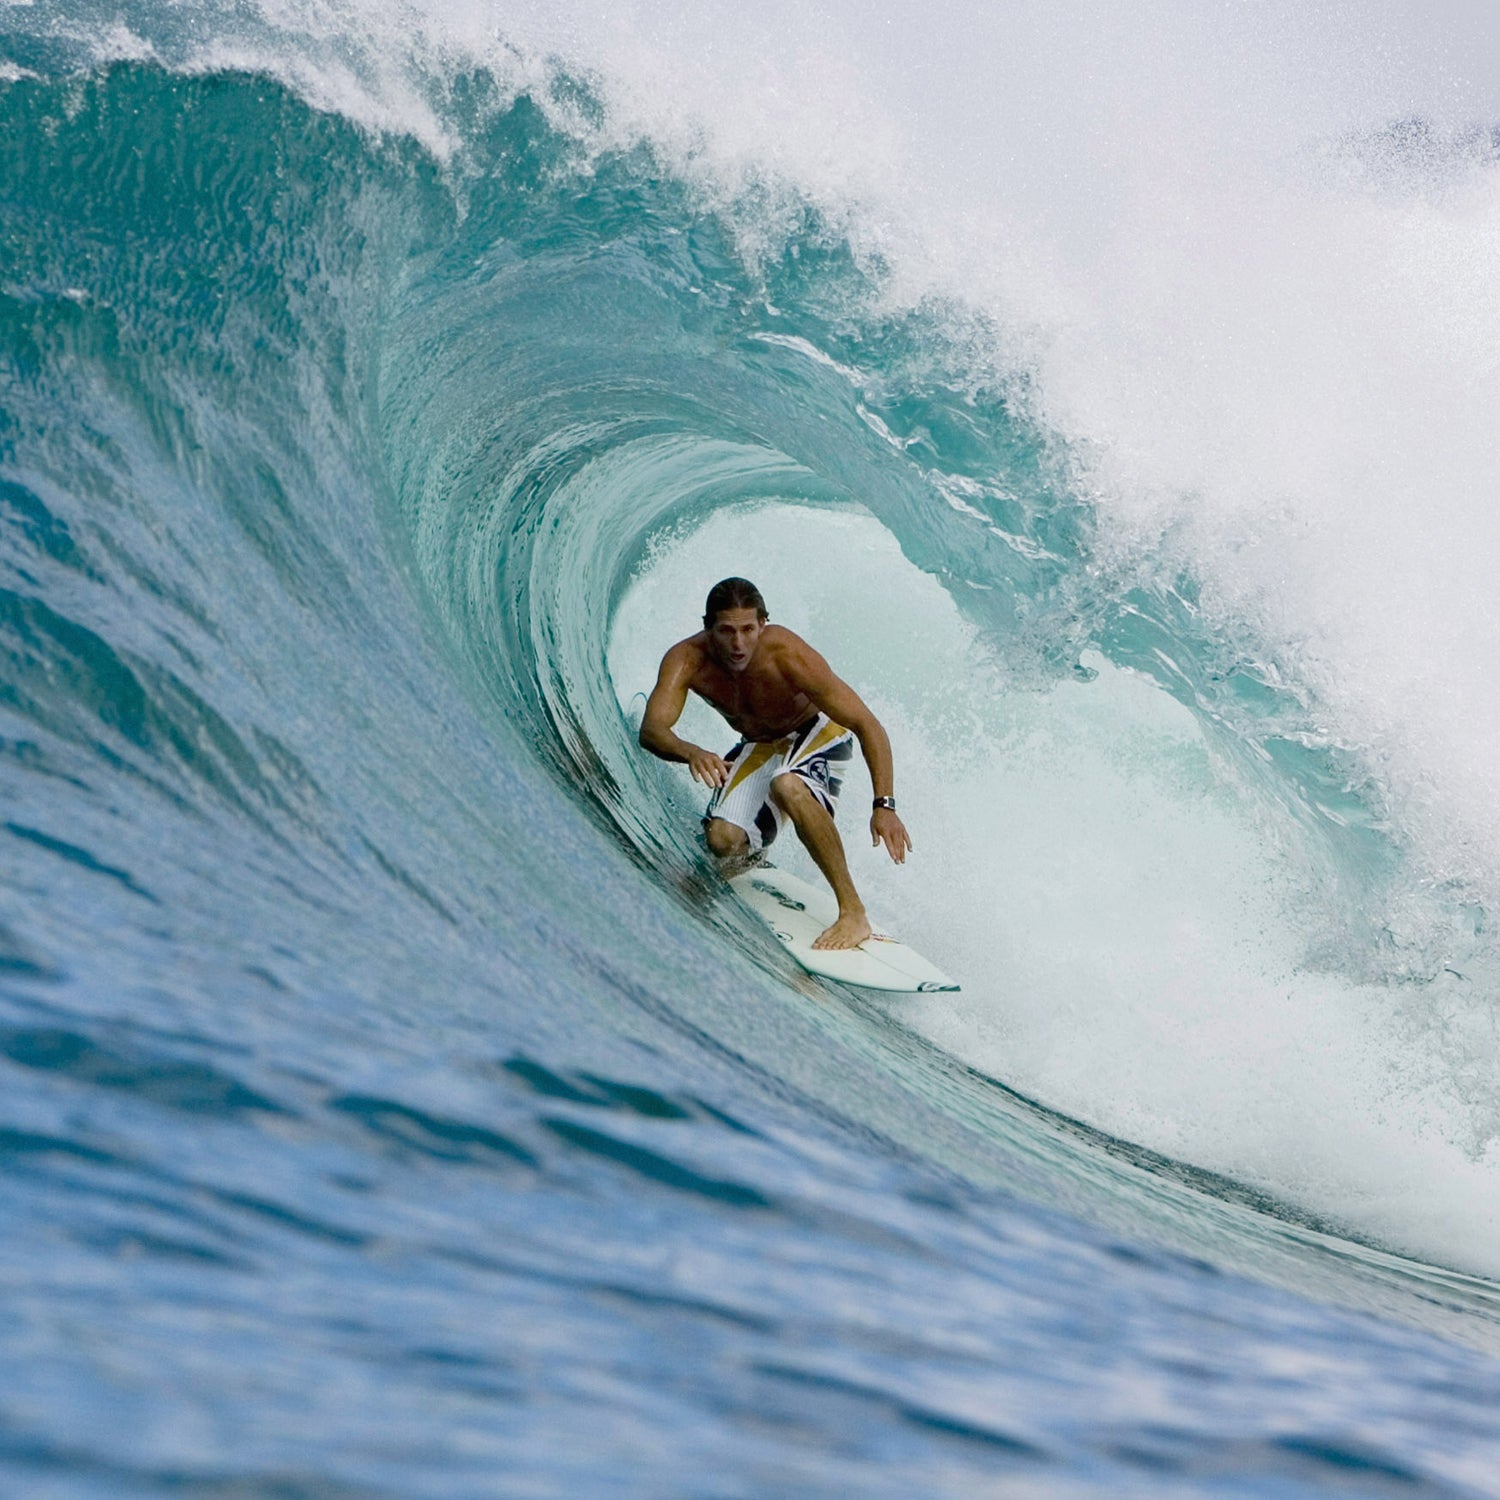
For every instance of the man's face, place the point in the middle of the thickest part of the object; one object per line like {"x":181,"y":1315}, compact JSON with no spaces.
{"x":735,"y":635}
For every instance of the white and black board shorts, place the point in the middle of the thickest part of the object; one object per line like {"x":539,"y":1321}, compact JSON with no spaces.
{"x":816,"y":751}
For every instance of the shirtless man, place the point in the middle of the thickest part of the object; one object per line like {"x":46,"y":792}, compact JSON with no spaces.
{"x":797,"y":723}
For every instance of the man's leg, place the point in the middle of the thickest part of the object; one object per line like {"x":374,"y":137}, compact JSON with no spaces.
{"x":820,"y":838}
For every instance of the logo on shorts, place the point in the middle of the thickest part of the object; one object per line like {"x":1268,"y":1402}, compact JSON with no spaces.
{"x":816,"y":770}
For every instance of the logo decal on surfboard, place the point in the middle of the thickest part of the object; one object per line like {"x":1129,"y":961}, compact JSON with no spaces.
{"x":781,"y":897}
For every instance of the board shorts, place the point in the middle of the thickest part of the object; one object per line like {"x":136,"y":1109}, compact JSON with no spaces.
{"x":817,"y":751}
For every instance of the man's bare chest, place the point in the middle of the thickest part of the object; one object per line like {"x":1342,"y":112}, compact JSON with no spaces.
{"x":760,"y":705}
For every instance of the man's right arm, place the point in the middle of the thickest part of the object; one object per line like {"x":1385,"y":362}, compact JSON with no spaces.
{"x":664,"y":708}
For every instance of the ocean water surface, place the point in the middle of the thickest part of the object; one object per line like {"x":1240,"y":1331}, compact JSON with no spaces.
{"x":392,"y":1102}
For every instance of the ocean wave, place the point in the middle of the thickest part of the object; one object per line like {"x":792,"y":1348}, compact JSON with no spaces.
{"x":355,"y":470}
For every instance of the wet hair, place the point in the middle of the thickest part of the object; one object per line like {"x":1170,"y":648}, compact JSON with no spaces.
{"x":732,"y":593}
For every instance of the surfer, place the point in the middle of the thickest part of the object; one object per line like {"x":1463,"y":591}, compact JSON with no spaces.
{"x":797,"y":724}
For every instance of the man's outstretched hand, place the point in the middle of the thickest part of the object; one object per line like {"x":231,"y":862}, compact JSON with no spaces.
{"x":886,"y":828}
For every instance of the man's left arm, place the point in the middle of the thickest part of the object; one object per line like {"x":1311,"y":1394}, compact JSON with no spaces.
{"x":806,"y":670}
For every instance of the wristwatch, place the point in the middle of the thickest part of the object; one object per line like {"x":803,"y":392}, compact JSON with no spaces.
{"x":889,"y":803}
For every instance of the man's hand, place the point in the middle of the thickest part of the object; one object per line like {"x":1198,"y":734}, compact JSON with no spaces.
{"x":886,"y":828}
{"x":710,"y":769}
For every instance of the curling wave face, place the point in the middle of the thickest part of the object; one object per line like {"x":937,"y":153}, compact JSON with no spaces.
{"x":345,"y":928}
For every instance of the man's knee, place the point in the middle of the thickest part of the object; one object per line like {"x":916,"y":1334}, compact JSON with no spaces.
{"x":792,"y":794}
{"x":725,"y":839}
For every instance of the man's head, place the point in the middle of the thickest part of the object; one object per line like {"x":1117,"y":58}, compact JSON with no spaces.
{"x":734,"y":617}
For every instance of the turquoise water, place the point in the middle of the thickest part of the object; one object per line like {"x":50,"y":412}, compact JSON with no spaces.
{"x":393,"y":1105}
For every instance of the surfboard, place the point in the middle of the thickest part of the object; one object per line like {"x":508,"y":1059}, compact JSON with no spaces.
{"x":797,"y":912}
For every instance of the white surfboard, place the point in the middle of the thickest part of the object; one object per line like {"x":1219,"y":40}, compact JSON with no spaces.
{"x":797,"y":912}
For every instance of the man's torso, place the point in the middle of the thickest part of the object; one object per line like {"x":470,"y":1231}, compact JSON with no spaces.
{"x":759,"y":702}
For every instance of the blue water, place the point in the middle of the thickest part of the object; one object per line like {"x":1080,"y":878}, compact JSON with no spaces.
{"x":391,"y":1104}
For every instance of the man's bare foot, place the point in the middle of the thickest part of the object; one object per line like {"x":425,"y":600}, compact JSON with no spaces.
{"x":851,"y":929}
